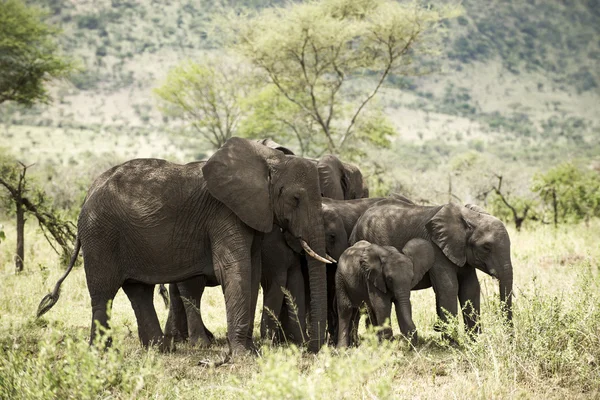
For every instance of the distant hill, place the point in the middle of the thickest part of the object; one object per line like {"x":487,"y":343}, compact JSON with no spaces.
{"x":518,"y":79}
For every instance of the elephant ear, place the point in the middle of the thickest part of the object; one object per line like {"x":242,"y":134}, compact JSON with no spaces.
{"x":353,"y":183}
{"x":331,"y":177}
{"x":274,"y":145}
{"x":238,"y":175}
{"x":476,"y":208}
{"x":371,"y":263}
{"x":420,"y":252}
{"x":448,"y":230}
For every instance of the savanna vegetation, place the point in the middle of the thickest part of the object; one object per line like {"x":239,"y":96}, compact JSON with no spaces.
{"x":494,"y":104}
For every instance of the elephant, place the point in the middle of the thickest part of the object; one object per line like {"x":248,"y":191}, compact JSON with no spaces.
{"x":282,"y":261}
{"x":379,"y":275}
{"x":282,"y":264}
{"x":464,"y":238}
{"x":149,"y":221}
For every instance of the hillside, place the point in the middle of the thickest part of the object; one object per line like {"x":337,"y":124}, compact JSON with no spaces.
{"x":516,"y":82}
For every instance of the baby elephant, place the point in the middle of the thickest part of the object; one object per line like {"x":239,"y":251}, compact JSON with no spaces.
{"x":378,"y":276}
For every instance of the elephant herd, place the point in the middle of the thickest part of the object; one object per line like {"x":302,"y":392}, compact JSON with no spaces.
{"x":254,"y":214}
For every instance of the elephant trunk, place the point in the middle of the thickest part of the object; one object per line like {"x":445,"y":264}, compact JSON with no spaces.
{"x":404,"y":315}
{"x":506,"y":284}
{"x":318,"y":290}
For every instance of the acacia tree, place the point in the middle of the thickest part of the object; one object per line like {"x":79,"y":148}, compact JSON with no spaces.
{"x":328,"y":59}
{"x":208,"y":96}
{"x":29,"y":54}
{"x":505,"y":205}
{"x":27,"y":200}
{"x":569,"y":193}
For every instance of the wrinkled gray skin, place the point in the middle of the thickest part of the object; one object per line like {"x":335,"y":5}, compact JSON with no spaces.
{"x":340,"y":180}
{"x":177,"y":327}
{"x":464,"y":238}
{"x":149,"y":221}
{"x":379,"y":276}
{"x":282,"y":263}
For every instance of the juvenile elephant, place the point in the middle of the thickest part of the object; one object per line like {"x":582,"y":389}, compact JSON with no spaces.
{"x":150,"y":221}
{"x":464,"y":239}
{"x":379,"y":276}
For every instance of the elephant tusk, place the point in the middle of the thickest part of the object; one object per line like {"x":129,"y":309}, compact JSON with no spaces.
{"x":327,"y":256}
{"x":311,"y":253}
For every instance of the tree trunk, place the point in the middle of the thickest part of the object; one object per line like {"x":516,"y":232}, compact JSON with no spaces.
{"x":20,"y":256}
{"x":555,"y":207}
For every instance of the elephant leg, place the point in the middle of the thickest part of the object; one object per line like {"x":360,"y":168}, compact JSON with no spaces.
{"x":445,"y":285}
{"x":345,"y":314}
{"x":469,"y":295}
{"x":294,"y":325}
{"x":332,"y":318}
{"x":382,"y":309}
{"x":100,"y":308}
{"x":176,"y":327}
{"x":141,"y":297}
{"x":354,"y":320}
{"x":191,"y":291}
{"x":103,"y":282}
{"x":256,"y":273}
{"x":232,"y":260}
{"x":272,"y":306}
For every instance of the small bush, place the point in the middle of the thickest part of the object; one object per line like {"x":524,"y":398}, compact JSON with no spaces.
{"x":65,"y":367}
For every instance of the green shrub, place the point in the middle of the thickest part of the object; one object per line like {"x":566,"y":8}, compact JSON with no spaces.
{"x":61,"y":366}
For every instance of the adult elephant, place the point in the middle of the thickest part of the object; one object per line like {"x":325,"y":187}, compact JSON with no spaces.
{"x":465,"y":239}
{"x":282,"y":260}
{"x":282,"y":267}
{"x":150,"y":221}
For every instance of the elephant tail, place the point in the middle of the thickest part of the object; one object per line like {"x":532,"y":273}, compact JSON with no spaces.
{"x":50,"y":299}
{"x":164,"y":293}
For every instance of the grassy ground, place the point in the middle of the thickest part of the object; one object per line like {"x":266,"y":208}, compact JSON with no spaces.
{"x":554,"y":351}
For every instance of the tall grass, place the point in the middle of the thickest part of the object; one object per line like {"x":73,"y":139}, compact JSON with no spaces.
{"x":553,"y":351}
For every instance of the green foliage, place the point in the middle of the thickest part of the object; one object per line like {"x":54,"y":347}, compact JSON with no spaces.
{"x":61,"y":366}
{"x":498,"y":208}
{"x":288,"y":373}
{"x":551,"y":353}
{"x":568,"y":193}
{"x":312,"y":51}
{"x":208,"y":97}
{"x":555,"y":337}
{"x":29,"y":54}
{"x":540,"y":36}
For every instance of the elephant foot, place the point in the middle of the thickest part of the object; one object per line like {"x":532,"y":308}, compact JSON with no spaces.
{"x":176,"y":335}
{"x":167,"y":345}
{"x":201,"y":341}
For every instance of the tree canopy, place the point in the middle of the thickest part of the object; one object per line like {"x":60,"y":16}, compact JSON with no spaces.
{"x":208,"y":96}
{"x":328,"y":59}
{"x":568,"y":193}
{"x":29,"y":54}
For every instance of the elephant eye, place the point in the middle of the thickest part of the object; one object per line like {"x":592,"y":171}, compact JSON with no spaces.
{"x":487,"y":247}
{"x":280,"y":191}
{"x":297,"y":200}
